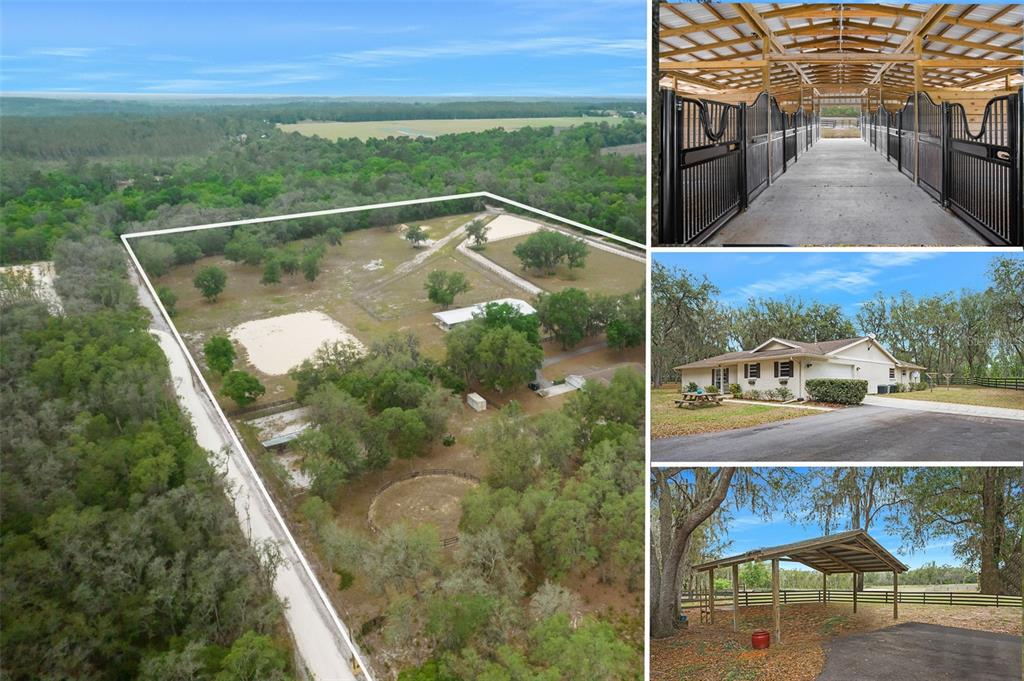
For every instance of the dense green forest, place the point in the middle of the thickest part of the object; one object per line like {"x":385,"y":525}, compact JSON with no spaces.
{"x":968,"y":333}
{"x":123,"y":557}
{"x":112,"y":174}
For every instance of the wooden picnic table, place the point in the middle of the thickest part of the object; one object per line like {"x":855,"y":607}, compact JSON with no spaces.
{"x":691,"y":400}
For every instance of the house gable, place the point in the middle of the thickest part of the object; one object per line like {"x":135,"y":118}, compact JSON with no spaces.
{"x":867,"y":349}
{"x":776,"y":344}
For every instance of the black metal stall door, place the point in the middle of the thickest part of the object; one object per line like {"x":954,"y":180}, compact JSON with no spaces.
{"x":983,"y":170}
{"x":892,"y":137}
{"x":790,"y":142}
{"x":758,"y":142}
{"x":930,"y":136}
{"x":701,"y":163}
{"x":778,"y":155}
{"x":907,"y":146}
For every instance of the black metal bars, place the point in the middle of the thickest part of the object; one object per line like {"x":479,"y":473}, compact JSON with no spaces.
{"x":717,"y":157}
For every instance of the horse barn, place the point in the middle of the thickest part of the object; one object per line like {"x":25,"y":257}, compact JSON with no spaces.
{"x":748,"y":153}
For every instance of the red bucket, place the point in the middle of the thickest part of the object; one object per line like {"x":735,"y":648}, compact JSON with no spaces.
{"x":761,"y":639}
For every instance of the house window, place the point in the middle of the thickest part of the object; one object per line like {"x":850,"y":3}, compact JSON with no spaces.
{"x":751,"y":371}
{"x":892,"y":372}
{"x":784,"y":369}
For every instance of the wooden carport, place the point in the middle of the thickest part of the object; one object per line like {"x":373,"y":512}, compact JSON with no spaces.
{"x":853,"y":552}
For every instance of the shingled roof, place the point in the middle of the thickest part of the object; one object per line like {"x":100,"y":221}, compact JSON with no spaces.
{"x":801,"y":349}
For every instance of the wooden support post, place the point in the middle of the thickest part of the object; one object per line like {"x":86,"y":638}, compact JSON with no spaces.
{"x":895,"y":595}
{"x":824,"y":588}
{"x":735,"y":597}
{"x":776,"y":614}
{"x":918,"y":86}
{"x":854,"y":575}
{"x":711,"y":592}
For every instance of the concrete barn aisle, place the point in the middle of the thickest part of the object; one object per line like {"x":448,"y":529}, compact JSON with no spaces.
{"x":843,"y":192}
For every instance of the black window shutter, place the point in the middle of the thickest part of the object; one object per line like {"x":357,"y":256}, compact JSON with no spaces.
{"x":776,"y":370}
{"x":746,"y":369}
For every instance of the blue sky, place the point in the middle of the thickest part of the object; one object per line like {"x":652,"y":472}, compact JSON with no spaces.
{"x":847,"y":279}
{"x":447,"y":48}
{"x":748,"y":531}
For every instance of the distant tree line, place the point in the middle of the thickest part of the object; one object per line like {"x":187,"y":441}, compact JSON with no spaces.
{"x":561,"y":172}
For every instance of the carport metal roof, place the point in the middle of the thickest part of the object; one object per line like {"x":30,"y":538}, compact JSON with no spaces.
{"x":854,"y":551}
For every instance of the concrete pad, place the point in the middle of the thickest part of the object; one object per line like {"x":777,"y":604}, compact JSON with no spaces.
{"x":946,"y":408}
{"x":843,"y":192}
{"x":923,"y":652}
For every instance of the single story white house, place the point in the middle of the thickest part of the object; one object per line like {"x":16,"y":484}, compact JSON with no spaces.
{"x":446,"y":320}
{"x":780,"y":362}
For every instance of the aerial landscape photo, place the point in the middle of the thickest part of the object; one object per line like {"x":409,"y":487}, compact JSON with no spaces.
{"x":274,"y":406}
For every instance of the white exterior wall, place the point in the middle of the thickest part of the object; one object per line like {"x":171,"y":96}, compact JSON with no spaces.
{"x":767,"y":381}
{"x":873,"y":364}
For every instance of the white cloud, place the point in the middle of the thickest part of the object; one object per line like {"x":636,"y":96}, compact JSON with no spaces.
{"x":896,"y":258}
{"x":848,"y":281}
{"x":567,"y":45}
{"x":72,"y":52}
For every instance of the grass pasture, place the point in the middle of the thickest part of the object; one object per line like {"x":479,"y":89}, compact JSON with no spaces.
{"x":364,"y":130}
{"x":967,"y":394}
{"x":604,"y":272}
{"x":668,"y":420}
{"x":369,"y":303}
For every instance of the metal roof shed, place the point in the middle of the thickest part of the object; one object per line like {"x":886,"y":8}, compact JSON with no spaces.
{"x":855,"y":552}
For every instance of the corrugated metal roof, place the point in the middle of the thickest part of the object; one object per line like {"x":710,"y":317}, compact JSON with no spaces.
{"x":464,"y":314}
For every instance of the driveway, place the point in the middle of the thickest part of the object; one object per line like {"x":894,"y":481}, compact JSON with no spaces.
{"x":864,"y":433}
{"x":945,"y":407}
{"x":923,"y":652}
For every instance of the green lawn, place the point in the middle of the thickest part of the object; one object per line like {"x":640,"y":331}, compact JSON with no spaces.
{"x":604,"y":272}
{"x":365,"y":130}
{"x":667,"y":420}
{"x":968,"y":394}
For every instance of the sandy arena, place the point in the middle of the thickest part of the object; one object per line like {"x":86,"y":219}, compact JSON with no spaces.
{"x":433,"y":499}
{"x":508,"y":226}
{"x":278,"y":344}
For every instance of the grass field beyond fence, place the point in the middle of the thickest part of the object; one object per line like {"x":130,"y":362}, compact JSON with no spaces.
{"x":966,"y":598}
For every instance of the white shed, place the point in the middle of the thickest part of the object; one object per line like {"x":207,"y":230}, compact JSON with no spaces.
{"x":476,"y":402}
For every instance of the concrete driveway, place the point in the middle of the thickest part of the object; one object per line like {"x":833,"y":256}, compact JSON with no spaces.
{"x":863,"y":433}
{"x":923,"y":652}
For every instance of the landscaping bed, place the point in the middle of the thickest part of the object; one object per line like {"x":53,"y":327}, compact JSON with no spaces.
{"x":667,"y":420}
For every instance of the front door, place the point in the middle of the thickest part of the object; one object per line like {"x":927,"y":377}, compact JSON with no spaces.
{"x":720,"y":379}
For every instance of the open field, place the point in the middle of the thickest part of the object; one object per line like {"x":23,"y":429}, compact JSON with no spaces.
{"x":604,"y":272}
{"x":968,"y":394}
{"x":424,"y":500}
{"x":276,"y":345}
{"x":668,"y":420}
{"x":365,"y":130}
{"x":707,"y":652}
{"x":358,"y":287}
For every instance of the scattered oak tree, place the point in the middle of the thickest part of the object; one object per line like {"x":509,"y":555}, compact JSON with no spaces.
{"x":545,"y":249}
{"x":565,"y":315}
{"x":210,"y":281}
{"x":442,"y":287}
{"x":415,"y":235}
{"x":477,"y":231}
{"x":242,"y":387}
{"x":220,"y":354}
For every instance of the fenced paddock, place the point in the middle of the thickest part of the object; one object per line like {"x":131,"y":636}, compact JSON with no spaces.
{"x":1009,"y":383}
{"x":723,"y":599}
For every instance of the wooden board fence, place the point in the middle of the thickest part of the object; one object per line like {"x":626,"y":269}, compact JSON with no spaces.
{"x":724,"y":599}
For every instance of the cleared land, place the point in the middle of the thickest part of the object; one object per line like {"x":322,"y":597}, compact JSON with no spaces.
{"x":424,"y":500}
{"x":968,"y":394}
{"x":604,"y":272}
{"x":365,"y":130}
{"x":358,"y":287}
{"x":713,"y":652}
{"x":668,"y":420}
{"x":276,"y":345}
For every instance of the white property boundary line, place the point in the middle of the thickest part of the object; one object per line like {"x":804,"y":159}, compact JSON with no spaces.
{"x":389,"y":204}
{"x":125,"y":238}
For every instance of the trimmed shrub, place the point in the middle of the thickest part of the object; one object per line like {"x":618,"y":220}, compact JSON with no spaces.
{"x":837,"y":390}
{"x":784,"y":393}
{"x":691,"y":387}
{"x":922,"y":385}
{"x":752,"y":395}
{"x":736,"y":390}
{"x":711,"y":389}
